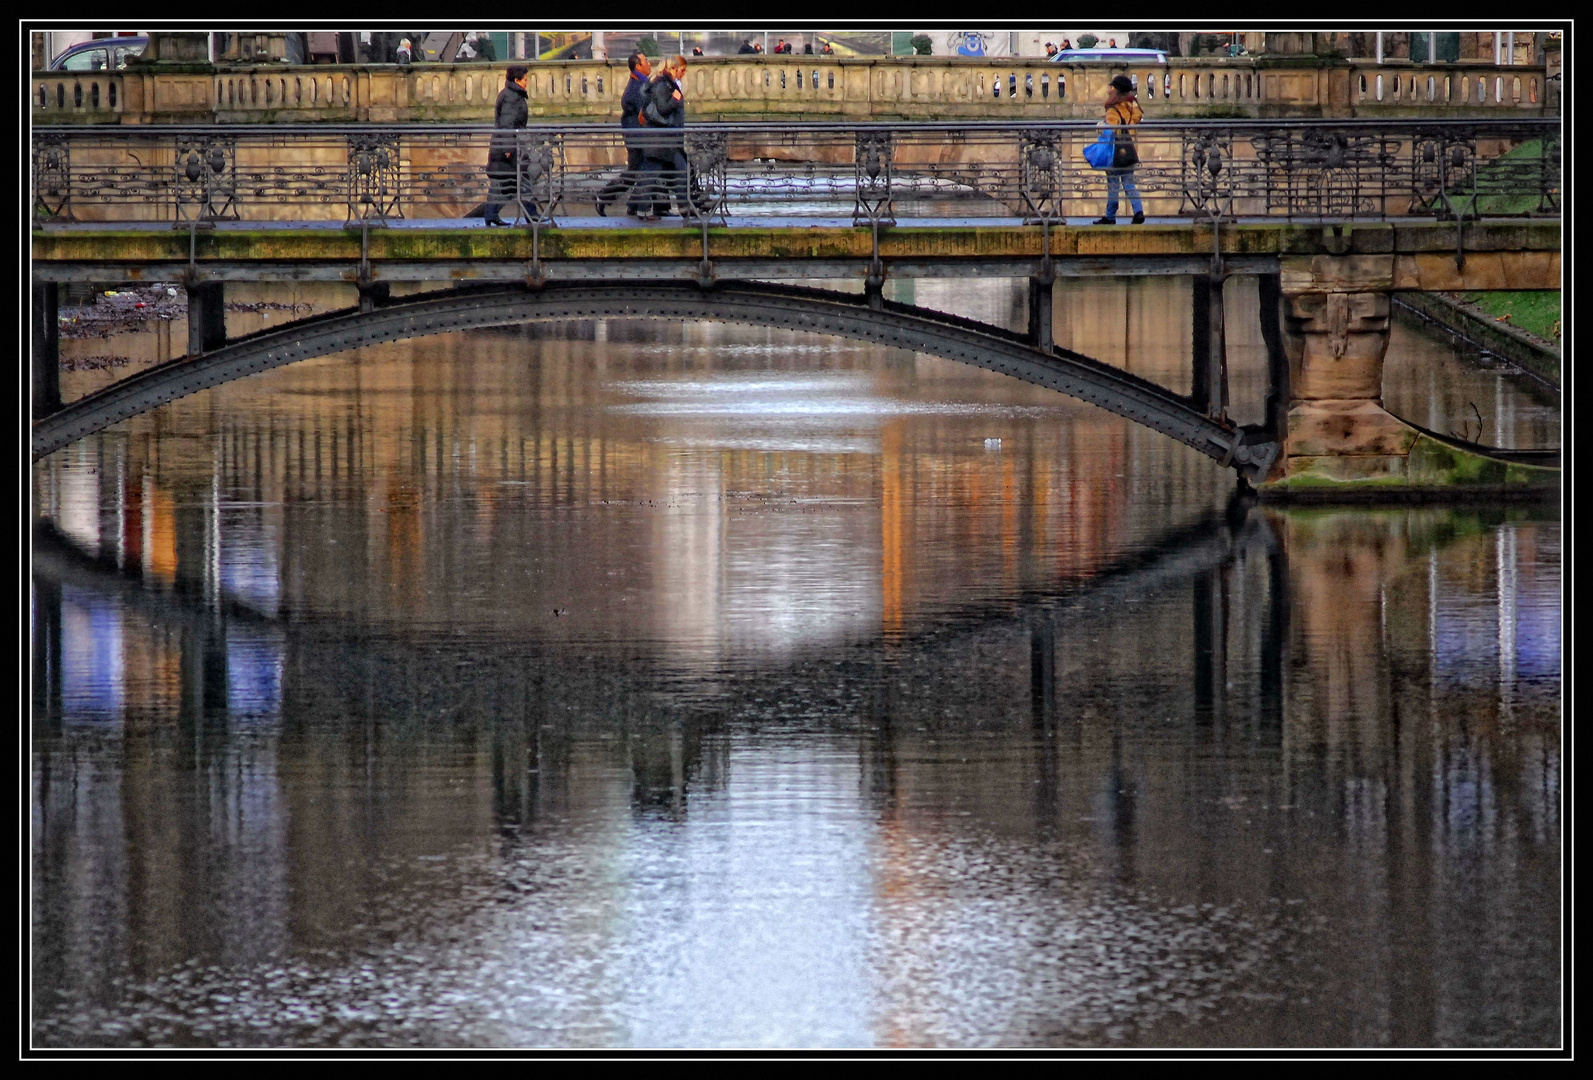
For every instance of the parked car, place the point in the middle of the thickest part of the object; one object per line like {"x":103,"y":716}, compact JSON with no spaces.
{"x":102,"y":54}
{"x":1116,"y":56}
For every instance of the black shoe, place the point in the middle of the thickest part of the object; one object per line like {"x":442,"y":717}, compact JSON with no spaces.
{"x":602,"y":209}
{"x":1104,"y":221}
{"x":497,"y":221}
{"x":1139,"y":219}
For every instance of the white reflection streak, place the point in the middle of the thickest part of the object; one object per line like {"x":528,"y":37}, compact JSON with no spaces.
{"x":77,"y":510}
{"x":1505,"y":560}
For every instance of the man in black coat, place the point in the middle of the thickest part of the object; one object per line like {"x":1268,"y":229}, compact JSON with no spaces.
{"x":635,"y":159}
{"x":511,"y":112}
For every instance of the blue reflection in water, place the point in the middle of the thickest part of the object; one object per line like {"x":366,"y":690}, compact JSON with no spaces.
{"x":254,"y":673}
{"x":92,"y":668}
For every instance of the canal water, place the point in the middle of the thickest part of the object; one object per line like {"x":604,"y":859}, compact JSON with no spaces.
{"x":648,"y":685}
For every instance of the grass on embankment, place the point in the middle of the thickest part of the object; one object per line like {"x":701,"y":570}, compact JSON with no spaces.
{"x":1536,"y":312}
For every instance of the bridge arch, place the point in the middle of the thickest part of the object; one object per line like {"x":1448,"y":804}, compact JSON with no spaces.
{"x":785,"y":307}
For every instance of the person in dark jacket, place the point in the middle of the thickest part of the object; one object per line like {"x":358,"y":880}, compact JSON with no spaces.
{"x":511,"y":112}
{"x":746,"y":48}
{"x":631,"y":103}
{"x":664,"y":112}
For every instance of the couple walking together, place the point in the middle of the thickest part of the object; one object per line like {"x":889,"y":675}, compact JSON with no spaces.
{"x":653,"y":116}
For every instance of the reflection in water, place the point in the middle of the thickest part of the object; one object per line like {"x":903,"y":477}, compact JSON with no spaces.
{"x":683,"y":686}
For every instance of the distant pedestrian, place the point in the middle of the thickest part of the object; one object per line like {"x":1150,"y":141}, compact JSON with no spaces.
{"x":510,"y":112}
{"x":827,"y":49}
{"x":631,"y":102}
{"x":696,"y":50}
{"x":747,"y":48}
{"x":1111,"y":43}
{"x":781,"y":47}
{"x":1050,"y":50}
{"x":1067,"y":43}
{"x":404,"y":53}
{"x":807,"y":48}
{"x":1122,"y":113}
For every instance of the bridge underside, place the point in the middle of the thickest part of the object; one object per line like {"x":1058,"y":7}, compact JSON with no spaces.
{"x":867,"y":317}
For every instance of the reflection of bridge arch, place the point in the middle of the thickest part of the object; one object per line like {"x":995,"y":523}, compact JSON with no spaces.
{"x":885,"y":323}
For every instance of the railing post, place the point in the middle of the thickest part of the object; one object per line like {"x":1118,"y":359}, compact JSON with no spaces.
{"x":872,"y":174}
{"x":52,"y":177}
{"x":374,"y":178}
{"x":46,"y":347}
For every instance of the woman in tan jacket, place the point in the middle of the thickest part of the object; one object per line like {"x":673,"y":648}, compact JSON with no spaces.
{"x":1122,"y":113}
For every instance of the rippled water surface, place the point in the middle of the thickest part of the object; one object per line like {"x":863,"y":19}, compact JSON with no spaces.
{"x":660,"y":686}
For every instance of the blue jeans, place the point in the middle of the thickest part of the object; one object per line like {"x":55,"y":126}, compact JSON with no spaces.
{"x":1125,"y":178}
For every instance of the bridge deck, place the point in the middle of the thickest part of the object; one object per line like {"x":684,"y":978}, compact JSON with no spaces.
{"x":1504,"y":253}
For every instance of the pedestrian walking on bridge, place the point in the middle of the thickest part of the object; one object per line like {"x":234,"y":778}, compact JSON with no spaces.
{"x":631,"y":122}
{"x":1122,"y":113}
{"x":511,"y":112}
{"x":664,"y":113}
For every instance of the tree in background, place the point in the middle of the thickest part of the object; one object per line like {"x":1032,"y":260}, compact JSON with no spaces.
{"x":921,"y":44}
{"x":1088,"y":41}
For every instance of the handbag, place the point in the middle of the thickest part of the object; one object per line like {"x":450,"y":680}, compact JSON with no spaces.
{"x":1125,"y":156}
{"x":1101,"y":153}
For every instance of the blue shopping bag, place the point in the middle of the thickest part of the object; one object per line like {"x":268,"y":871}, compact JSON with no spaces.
{"x":1099,"y":153}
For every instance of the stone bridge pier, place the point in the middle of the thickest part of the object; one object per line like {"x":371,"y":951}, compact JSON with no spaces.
{"x":1335,"y":323}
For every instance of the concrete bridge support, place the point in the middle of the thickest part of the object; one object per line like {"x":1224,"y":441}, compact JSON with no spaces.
{"x":46,"y":319}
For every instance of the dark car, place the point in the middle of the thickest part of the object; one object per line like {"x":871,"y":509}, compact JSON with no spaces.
{"x":103,"y":54}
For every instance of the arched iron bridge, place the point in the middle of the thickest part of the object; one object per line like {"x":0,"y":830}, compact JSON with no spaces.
{"x":1248,"y":450}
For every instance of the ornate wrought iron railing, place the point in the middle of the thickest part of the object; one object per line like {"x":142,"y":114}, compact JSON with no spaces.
{"x":873,"y":174}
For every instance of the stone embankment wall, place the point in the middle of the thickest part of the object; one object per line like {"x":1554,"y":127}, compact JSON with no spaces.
{"x":1482,"y":331}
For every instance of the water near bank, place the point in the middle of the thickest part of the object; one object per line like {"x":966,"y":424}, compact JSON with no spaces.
{"x":702,"y":686}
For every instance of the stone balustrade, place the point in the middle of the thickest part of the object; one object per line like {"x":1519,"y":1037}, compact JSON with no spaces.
{"x":795,"y":88}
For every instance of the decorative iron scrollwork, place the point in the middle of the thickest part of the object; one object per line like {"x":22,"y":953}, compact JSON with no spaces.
{"x":374,"y":178}
{"x":1444,"y":175}
{"x":1207,"y":175}
{"x":1329,"y":172}
{"x":52,"y":178}
{"x":1549,"y":178}
{"x":874,"y":172}
{"x":1039,"y":175}
{"x":539,"y":174}
{"x":706,"y":155}
{"x":206,"y":182}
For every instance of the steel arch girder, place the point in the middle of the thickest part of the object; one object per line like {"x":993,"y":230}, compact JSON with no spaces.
{"x":784,"y":307}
